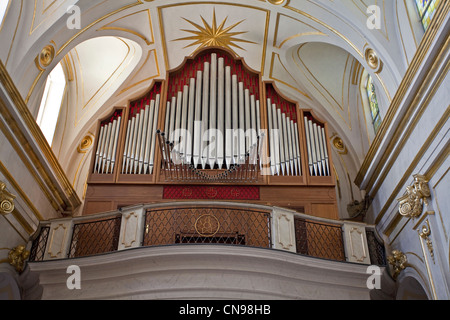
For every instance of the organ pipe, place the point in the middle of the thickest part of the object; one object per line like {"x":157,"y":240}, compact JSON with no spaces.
{"x":317,"y":148}
{"x":212,"y":120}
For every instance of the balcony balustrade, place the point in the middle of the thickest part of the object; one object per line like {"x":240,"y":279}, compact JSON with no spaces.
{"x":187,"y":223}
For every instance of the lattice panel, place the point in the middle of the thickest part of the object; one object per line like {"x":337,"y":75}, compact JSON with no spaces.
{"x":207,"y":226}
{"x":97,"y":237}
{"x":319,"y":240}
{"x":37,"y":251}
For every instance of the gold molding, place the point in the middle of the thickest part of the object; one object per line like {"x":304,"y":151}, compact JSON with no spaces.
{"x":143,"y":37}
{"x":414,"y":163}
{"x":63,"y":193}
{"x":421,"y":54}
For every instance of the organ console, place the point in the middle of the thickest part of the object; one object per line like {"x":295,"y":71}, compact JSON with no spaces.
{"x":213,"y":122}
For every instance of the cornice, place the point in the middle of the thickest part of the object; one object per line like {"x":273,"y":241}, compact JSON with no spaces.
{"x":387,"y":137}
{"x":28,"y":140}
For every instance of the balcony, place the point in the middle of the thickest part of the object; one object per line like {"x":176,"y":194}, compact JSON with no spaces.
{"x":207,"y":241}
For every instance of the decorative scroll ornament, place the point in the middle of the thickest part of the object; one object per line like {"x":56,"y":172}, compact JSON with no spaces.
{"x":425,"y":235}
{"x":17,"y":258}
{"x":398,"y":262}
{"x":411,"y":204}
{"x":6,"y":200}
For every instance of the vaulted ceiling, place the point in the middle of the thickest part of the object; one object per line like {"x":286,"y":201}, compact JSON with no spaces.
{"x":314,"y":50}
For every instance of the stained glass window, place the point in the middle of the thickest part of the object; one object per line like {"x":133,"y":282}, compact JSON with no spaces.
{"x":373,"y":103}
{"x":427,"y":9}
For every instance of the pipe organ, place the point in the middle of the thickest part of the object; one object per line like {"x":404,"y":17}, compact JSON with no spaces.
{"x":213,"y":122}
{"x":211,"y":115}
{"x":285,"y":157}
{"x":140,"y":141}
{"x":105,"y":156}
{"x":316,"y":141}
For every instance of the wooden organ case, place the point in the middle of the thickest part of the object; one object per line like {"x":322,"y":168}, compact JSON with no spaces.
{"x":213,"y":130}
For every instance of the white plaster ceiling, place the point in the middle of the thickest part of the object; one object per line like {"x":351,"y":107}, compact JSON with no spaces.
{"x":310,"y":49}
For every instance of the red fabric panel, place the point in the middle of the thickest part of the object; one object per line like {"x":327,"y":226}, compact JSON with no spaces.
{"x":211,"y":192}
{"x":289,"y":108}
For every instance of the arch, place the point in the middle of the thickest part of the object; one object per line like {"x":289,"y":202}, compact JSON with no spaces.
{"x":93,"y":81}
{"x":411,"y":289}
{"x":411,"y":285}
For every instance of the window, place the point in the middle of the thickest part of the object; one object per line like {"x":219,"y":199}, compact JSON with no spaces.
{"x":373,"y":104}
{"x":51,"y":102}
{"x":426,"y":9}
{"x":3,"y":9}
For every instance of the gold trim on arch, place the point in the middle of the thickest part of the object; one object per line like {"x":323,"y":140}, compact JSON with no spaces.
{"x":271,"y":76}
{"x":147,"y":41}
{"x":65,"y":45}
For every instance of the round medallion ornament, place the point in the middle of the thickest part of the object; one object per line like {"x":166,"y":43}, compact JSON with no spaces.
{"x":276,"y":2}
{"x":373,"y":60}
{"x":207,"y":225}
{"x":46,"y":56}
{"x":211,"y":192}
{"x":235,"y":193}
{"x":187,"y":192}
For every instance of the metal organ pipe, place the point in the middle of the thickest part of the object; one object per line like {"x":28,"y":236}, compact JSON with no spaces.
{"x":139,"y":145}
{"x":212,"y":152}
{"x":219,"y":113}
{"x":116,"y":140}
{"x":317,"y":148}
{"x":213,"y":120}
{"x":220,"y":133}
{"x":284,"y":147}
{"x":228,"y":125}
{"x":97,"y":153}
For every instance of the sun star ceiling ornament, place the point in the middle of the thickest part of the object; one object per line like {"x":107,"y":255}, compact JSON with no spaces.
{"x":212,"y":35}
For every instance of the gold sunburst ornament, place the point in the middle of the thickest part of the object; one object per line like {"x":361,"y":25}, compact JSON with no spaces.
{"x":213,"y":35}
